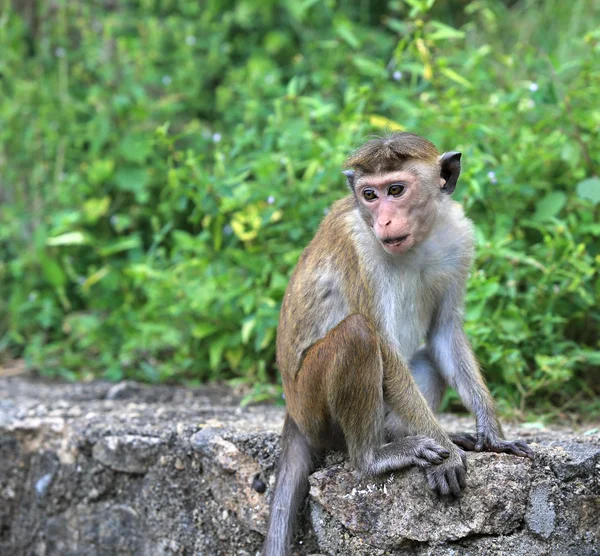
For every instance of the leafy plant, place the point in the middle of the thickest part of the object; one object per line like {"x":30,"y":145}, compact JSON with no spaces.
{"x":163,"y":164}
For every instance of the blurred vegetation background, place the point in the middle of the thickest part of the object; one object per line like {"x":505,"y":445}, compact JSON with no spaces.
{"x":164,"y":162}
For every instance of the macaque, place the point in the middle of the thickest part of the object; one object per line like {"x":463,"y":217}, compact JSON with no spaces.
{"x":371,"y":331}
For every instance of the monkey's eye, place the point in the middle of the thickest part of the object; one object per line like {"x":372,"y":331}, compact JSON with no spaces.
{"x":369,"y":195}
{"x":396,"y":189}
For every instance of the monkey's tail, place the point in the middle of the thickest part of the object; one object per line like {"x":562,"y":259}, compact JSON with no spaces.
{"x":295,"y":465}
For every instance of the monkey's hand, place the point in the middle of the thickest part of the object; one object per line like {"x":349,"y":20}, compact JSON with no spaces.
{"x":487,"y":443}
{"x":449,"y":476}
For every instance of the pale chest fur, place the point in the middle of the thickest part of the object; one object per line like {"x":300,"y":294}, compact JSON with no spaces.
{"x":404,"y":309}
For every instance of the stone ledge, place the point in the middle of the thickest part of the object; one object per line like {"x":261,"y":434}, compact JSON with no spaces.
{"x":128,"y":469}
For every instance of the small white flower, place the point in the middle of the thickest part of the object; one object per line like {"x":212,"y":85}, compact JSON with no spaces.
{"x":60,"y":52}
{"x":533,"y":87}
{"x":216,"y":137}
{"x":227,"y":230}
{"x":270,"y":79}
{"x":270,"y":199}
{"x":492,"y":176}
{"x":190,"y":40}
{"x":397,"y":75}
{"x":283,"y":160}
{"x":32,"y":297}
{"x":166,"y":80}
{"x":114,"y":220}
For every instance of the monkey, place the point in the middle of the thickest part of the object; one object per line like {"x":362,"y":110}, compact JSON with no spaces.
{"x":371,"y":331}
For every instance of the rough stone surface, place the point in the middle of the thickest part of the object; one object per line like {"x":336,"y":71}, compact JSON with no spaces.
{"x":400,"y":507}
{"x":101,"y":469}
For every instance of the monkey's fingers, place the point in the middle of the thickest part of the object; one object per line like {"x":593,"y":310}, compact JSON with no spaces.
{"x":427,"y":449}
{"x":445,"y":480}
{"x":437,"y":482}
{"x":431,"y":456}
{"x":452,"y":477}
{"x":423,"y":463}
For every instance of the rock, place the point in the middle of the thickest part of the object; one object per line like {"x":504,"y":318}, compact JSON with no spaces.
{"x":128,"y":453}
{"x":574,"y":459}
{"x":541,"y":515}
{"x":231,"y":475}
{"x":400,"y":507}
{"x":133,"y":469}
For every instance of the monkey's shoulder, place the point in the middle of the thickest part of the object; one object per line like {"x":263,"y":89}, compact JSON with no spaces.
{"x":450,"y":247}
{"x":331,"y":251}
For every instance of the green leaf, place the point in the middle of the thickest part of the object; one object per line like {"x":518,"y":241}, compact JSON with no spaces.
{"x":136,"y":148}
{"x":247,"y":329}
{"x":368,"y":67}
{"x":53,"y":272}
{"x":204,"y":329}
{"x":96,"y":208}
{"x":451,"y":74}
{"x":443,"y":31}
{"x":70,"y":238}
{"x":589,"y":189}
{"x":100,"y":171}
{"x":345,"y":32}
{"x":133,"y":180}
{"x":550,"y":205}
{"x":215,"y":352}
{"x":120,"y":245}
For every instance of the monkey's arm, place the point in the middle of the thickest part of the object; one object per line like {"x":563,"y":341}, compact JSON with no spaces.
{"x":454,"y":358}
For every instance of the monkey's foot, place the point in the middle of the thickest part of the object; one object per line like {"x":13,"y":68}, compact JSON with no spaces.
{"x":471,"y":443}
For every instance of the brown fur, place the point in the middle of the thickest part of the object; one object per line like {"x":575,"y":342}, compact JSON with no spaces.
{"x":383,"y":154}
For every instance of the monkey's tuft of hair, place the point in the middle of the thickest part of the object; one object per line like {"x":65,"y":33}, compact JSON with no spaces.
{"x":384,"y":154}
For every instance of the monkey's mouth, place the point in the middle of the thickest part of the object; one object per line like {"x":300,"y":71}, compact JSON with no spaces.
{"x":395,"y":240}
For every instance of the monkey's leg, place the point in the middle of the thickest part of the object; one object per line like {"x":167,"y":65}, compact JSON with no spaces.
{"x":430,"y":383}
{"x":349,"y":358}
{"x":295,"y":465}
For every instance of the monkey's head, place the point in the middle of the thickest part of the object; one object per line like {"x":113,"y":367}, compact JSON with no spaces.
{"x":400,"y":184}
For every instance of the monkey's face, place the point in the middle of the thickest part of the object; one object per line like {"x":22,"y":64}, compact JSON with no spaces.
{"x":400,"y":206}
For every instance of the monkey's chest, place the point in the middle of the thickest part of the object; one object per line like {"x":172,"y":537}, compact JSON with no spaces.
{"x":406,"y":304}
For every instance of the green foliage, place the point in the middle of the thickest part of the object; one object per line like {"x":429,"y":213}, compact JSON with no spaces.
{"x":163,"y":164}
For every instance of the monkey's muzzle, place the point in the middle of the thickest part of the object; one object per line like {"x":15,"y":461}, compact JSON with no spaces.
{"x":395,"y":240}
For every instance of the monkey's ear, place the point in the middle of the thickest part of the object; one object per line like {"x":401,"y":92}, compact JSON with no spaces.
{"x":350,"y":177}
{"x":450,"y":163}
